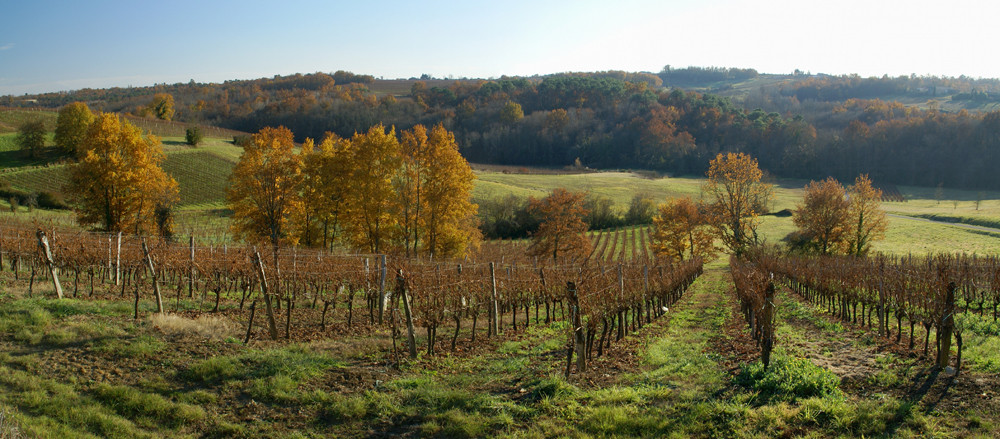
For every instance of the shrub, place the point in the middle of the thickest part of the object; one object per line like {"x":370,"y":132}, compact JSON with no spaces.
{"x":49,"y":200}
{"x":242,"y":140}
{"x":193,"y":136}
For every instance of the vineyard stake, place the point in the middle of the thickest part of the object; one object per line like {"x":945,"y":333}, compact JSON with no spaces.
{"x":272,"y":328}
{"x":43,"y":243}
{"x":152,"y":274}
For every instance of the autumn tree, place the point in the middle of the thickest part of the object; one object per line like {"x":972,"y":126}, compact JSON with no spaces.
{"x":325,"y":183}
{"x":71,"y":126}
{"x":263,"y":188}
{"x":31,"y":138}
{"x":450,"y":223}
{"x":562,"y":231}
{"x":118,"y":183}
{"x":823,"y":216}
{"x":374,"y":161}
{"x":511,"y":113}
{"x":162,"y":106}
{"x":868,"y":222}
{"x":734,"y":181}
{"x":681,"y":231}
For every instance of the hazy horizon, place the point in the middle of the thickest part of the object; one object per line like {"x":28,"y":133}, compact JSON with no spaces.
{"x":61,"y":46}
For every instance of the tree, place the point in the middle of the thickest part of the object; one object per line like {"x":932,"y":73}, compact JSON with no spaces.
{"x":162,"y":106}
{"x":679,"y":229}
{"x":450,"y":215}
{"x":118,"y":183}
{"x":71,"y":126}
{"x":562,"y":231}
{"x":868,"y":220}
{"x":511,"y":113}
{"x":31,"y":138}
{"x":640,"y":210}
{"x":264,"y":188}
{"x":734,"y":180}
{"x":374,"y":161}
{"x":434,"y":189}
{"x":325,"y":182}
{"x":824,"y":215}
{"x":192,"y":136}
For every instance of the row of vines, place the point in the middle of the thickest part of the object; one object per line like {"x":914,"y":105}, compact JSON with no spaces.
{"x":307,"y":293}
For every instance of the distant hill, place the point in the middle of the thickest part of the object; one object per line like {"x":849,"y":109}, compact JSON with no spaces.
{"x":909,"y":130}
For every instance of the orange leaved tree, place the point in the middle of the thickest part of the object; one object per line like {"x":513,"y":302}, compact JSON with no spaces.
{"x":264,"y":188}
{"x":823,"y":216}
{"x":118,"y":183}
{"x":681,"y":230}
{"x":563,"y":231}
{"x":734,"y":181}
{"x":867,"y":221}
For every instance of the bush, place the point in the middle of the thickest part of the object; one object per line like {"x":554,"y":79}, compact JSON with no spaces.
{"x":49,"y":200}
{"x":242,"y":140}
{"x":193,"y":136}
{"x":789,"y":379}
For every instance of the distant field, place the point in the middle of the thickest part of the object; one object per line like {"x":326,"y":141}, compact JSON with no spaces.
{"x":11,"y":119}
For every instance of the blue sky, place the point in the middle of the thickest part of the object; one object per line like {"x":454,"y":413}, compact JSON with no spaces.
{"x":67,"y":45}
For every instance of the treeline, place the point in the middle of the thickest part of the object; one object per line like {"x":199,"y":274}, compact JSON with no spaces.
{"x":626,"y":120}
{"x":700,"y":76}
{"x":841,"y":88}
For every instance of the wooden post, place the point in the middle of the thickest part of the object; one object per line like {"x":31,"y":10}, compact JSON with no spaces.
{"x":382,"y":297}
{"x":494,"y":308}
{"x":152,"y":274}
{"x":272,"y":328}
{"x":401,"y":292}
{"x":118,"y":261}
{"x":947,"y":327}
{"x":767,"y":325}
{"x":191,"y":268}
{"x":580,"y":338}
{"x":43,"y":243}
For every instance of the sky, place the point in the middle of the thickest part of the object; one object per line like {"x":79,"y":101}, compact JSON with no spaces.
{"x":49,"y":46}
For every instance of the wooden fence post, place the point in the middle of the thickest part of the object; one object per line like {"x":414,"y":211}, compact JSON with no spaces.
{"x":43,"y":243}
{"x":411,"y":339}
{"x":382,"y":297}
{"x":947,"y":327}
{"x":152,"y":274}
{"x":272,"y":328}
{"x":494,"y":307}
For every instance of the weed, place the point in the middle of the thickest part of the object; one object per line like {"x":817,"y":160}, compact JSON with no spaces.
{"x":789,"y":379}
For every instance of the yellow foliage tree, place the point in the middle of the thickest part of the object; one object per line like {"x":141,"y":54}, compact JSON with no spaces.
{"x":563,"y":231}
{"x":71,"y":126}
{"x":162,"y":106}
{"x":450,"y":215}
{"x":867,"y":219}
{"x":324,"y":186}
{"x":680,"y":230}
{"x":734,"y":181}
{"x":264,"y":189}
{"x":434,"y":188}
{"x":373,"y":162}
{"x":824,"y":215}
{"x":118,"y":183}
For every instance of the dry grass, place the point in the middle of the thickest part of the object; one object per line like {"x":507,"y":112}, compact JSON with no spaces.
{"x":208,"y":327}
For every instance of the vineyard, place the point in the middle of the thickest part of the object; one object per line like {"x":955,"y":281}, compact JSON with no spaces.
{"x":619,"y":292}
{"x":368,"y":345}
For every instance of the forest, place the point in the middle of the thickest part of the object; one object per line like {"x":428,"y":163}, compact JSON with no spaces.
{"x":803,"y":126}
